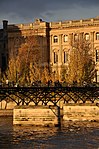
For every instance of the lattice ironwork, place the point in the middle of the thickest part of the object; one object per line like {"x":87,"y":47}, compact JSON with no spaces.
{"x":49,"y":95}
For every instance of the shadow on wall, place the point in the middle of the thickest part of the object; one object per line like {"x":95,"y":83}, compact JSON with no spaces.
{"x":7,"y":43}
{"x":13,"y":36}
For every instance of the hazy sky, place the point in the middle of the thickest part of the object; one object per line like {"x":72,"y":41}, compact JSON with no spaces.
{"x":25,"y":11}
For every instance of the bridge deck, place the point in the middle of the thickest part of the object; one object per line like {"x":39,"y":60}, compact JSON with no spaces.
{"x":46,"y":95}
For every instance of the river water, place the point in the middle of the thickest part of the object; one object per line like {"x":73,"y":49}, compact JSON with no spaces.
{"x":69,"y":136}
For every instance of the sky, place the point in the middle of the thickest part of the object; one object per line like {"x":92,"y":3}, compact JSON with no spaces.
{"x":26,"y":11}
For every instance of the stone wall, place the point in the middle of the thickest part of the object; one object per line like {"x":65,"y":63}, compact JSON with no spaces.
{"x":7,"y":105}
{"x":81,"y":112}
{"x":6,"y":112}
{"x":36,"y":115}
{"x":50,"y":115}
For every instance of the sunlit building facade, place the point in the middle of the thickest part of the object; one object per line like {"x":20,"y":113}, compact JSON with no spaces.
{"x":63,"y":34}
{"x":57,"y":38}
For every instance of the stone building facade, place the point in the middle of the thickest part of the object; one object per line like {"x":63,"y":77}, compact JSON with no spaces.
{"x":13,"y":36}
{"x":18,"y":33}
{"x":56,"y":39}
{"x":62,"y":34}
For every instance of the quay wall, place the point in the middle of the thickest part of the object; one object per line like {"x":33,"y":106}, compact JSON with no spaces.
{"x":81,"y":112}
{"x":7,"y":105}
{"x":36,"y":115}
{"x":6,"y":112}
{"x":68,"y":112}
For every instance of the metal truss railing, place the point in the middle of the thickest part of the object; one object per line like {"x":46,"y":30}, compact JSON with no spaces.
{"x":49,"y":95}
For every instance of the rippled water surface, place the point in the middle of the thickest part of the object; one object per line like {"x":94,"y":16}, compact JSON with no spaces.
{"x":69,"y":136}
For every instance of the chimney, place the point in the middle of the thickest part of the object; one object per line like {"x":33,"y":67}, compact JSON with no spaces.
{"x":5,"y":24}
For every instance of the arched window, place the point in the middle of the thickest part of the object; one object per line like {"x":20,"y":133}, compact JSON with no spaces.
{"x":97,"y":76}
{"x":55,"y":57}
{"x":75,"y":37}
{"x":87,"y":36}
{"x":97,"y":55}
{"x":65,"y":39}
{"x":55,"y":39}
{"x":65,"y":56}
{"x":97,"y":36}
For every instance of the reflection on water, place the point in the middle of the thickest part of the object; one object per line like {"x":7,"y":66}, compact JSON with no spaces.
{"x":69,"y":136}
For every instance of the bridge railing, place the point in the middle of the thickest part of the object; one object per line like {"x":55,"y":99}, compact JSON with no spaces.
{"x":49,"y":95}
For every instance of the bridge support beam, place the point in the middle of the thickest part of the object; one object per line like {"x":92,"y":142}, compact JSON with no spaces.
{"x":36,"y":115}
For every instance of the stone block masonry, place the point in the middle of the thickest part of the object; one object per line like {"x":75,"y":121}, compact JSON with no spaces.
{"x":36,"y":115}
{"x":6,"y":112}
{"x":81,"y":112}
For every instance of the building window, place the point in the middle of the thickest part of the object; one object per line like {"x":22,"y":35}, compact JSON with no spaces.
{"x":55,"y":39}
{"x":65,"y":38}
{"x":97,"y":55}
{"x":65,"y":57}
{"x":97,"y":36}
{"x":87,"y":36}
{"x":55,"y":57}
{"x":75,"y":37}
{"x":97,"y":80}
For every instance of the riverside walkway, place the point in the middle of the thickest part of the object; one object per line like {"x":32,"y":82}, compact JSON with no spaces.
{"x":49,"y":95}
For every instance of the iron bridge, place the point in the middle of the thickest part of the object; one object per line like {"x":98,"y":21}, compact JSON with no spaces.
{"x":49,"y":95}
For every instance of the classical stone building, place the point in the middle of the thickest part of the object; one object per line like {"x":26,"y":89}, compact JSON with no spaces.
{"x":56,"y":39}
{"x":12,"y":36}
{"x":62,"y":34}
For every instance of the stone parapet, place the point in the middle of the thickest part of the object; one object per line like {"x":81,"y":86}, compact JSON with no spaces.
{"x":75,"y":23}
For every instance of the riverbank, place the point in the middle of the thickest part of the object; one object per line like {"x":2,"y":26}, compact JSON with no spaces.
{"x":80,"y":124}
{"x":6,"y":112}
{"x":68,"y":124}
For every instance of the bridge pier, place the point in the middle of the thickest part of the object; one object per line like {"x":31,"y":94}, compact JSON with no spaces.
{"x":81,"y":112}
{"x":36,"y":115}
{"x":33,"y":104}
